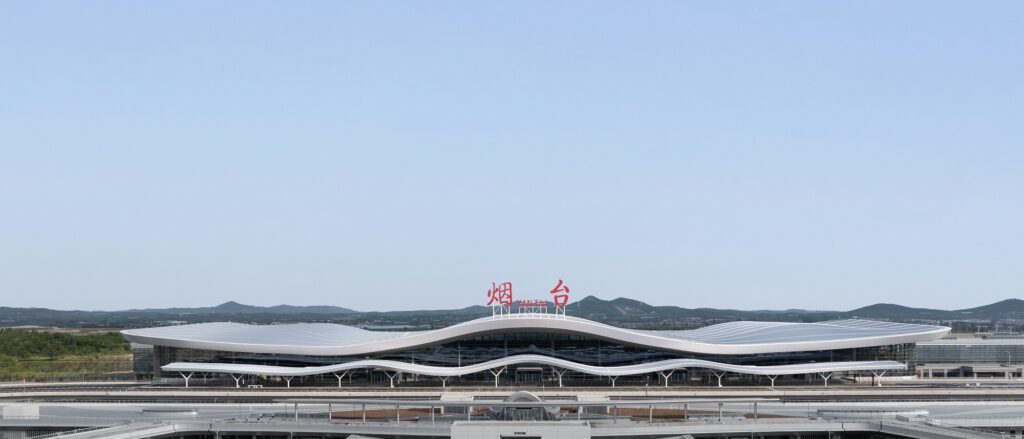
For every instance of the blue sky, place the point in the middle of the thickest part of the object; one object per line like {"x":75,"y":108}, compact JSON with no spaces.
{"x":403,"y":155}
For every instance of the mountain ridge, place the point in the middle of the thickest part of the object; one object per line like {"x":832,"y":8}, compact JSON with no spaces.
{"x":621,"y":311}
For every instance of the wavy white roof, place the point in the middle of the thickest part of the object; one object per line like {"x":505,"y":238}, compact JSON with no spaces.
{"x":726,"y":338}
{"x":442,"y":371}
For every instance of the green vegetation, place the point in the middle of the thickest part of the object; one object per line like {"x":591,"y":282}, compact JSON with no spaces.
{"x":39,"y":355}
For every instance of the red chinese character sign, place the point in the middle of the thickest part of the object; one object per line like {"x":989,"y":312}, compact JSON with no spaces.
{"x":500,"y":298}
{"x":561,"y":297}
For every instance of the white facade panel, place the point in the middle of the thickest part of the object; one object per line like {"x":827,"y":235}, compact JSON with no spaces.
{"x":739,"y":338}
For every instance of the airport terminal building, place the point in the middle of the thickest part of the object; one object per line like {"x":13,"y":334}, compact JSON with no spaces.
{"x":531,"y":349}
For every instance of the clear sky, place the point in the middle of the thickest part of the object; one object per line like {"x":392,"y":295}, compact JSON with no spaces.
{"x":404,"y":155}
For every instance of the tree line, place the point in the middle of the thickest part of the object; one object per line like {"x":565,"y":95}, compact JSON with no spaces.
{"x":22,"y":344}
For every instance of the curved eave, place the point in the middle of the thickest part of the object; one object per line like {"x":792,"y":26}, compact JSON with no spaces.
{"x":576,"y":326}
{"x":439,"y":371}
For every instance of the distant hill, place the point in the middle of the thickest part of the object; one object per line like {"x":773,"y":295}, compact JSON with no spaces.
{"x":1005,"y":309}
{"x":623,"y":309}
{"x":230,"y":311}
{"x":233,"y":307}
{"x":892,"y":311}
{"x":620,"y":311}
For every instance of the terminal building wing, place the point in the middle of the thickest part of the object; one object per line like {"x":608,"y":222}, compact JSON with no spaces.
{"x":533,"y":349}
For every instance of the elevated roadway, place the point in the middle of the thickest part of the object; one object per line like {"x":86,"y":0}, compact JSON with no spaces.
{"x":917,"y":430}
{"x":708,"y":418}
{"x":804,"y":393}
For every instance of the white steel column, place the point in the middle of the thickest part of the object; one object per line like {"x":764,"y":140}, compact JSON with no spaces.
{"x":339,"y":377}
{"x":666,"y":376}
{"x":496,"y":374}
{"x":878,"y":376}
{"x":558,"y":372}
{"x":718,"y":375}
{"x":825,"y":377}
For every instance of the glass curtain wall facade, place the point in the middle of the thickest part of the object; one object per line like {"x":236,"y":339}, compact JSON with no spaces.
{"x":968,"y":353}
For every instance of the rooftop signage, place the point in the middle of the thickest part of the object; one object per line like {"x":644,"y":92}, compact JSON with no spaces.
{"x":500,"y":300}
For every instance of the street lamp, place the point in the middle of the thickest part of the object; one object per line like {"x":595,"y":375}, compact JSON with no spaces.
{"x":1009,"y":369}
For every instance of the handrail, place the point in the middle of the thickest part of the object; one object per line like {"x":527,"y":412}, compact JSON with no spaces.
{"x":75,"y":431}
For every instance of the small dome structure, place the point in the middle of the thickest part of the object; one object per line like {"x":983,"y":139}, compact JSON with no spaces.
{"x":523,"y":411}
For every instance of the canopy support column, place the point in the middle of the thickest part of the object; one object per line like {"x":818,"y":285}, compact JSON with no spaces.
{"x":773,"y":377}
{"x":613,"y":380}
{"x":666,"y":376}
{"x":288,"y":381}
{"x":718,"y":375}
{"x":558,"y":372}
{"x":391,"y":377}
{"x":339,"y":377}
{"x":237,"y":378}
{"x":186,"y":377}
{"x":825,"y":377}
{"x":444,"y":382}
{"x":496,"y":374}
{"x":878,"y":377}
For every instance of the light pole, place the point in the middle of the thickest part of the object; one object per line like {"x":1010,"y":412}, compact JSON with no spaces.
{"x":1009,"y":370}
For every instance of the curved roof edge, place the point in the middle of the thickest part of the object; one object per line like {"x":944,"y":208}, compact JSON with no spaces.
{"x":440,"y":371}
{"x":733,"y":338}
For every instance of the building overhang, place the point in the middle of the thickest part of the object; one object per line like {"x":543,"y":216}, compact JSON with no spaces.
{"x":732,"y":338}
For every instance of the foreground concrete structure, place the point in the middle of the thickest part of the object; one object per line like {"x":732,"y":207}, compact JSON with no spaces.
{"x":546,"y":430}
{"x":956,"y":418}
